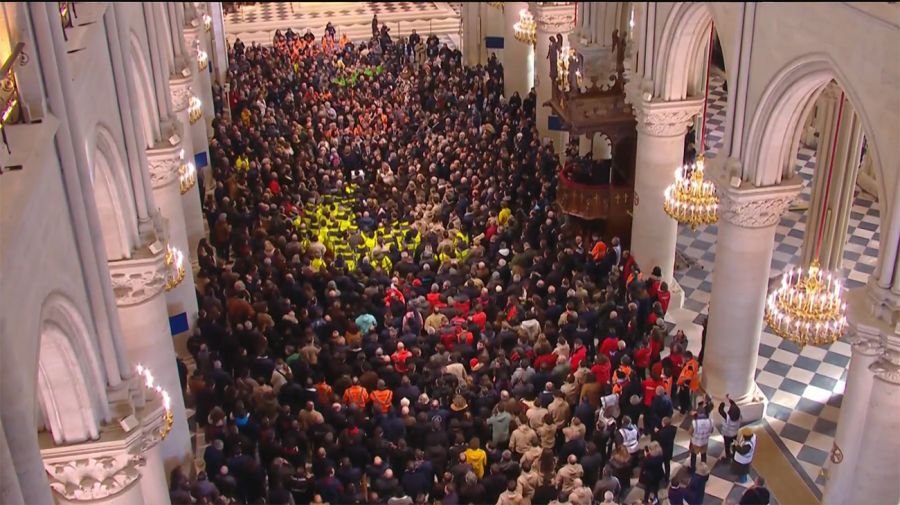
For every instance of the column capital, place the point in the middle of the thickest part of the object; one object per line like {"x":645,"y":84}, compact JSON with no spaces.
{"x":553,"y":17}
{"x":180,"y":90}
{"x":665,"y":119}
{"x":749,"y":206}
{"x":139,"y":278}
{"x":98,"y":469}
{"x":164,"y":161}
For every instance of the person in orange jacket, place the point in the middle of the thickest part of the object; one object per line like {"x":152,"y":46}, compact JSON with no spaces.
{"x":382,"y":398}
{"x":622,"y":375}
{"x":356,"y":395}
{"x":688,"y":382}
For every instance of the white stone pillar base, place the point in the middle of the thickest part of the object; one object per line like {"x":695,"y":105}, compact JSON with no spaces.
{"x":753,"y":405}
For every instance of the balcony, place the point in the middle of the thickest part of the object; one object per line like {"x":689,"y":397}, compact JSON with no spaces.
{"x":594,"y":104}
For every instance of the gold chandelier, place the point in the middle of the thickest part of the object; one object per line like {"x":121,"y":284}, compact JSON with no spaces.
{"x":525,"y":30}
{"x":808,"y":308}
{"x":175,"y":264}
{"x":691,"y":200}
{"x":166,"y":399}
{"x":496,"y":5}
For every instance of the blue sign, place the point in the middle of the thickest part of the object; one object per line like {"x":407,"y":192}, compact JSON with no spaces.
{"x":554,"y":123}
{"x":493,"y":42}
{"x":201,"y":160}
{"x":178,"y":323}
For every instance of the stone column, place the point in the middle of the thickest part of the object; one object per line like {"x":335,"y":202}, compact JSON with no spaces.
{"x":472,"y":38}
{"x":839,"y":201}
{"x":139,"y":285}
{"x":492,"y":25}
{"x":165,"y":165}
{"x":748,"y":218}
{"x":551,"y":22}
{"x":877,"y":472}
{"x":867,"y":349}
{"x":660,"y":151}
{"x":518,"y":57}
{"x":190,"y":114}
{"x":202,"y":130}
{"x":219,"y":53}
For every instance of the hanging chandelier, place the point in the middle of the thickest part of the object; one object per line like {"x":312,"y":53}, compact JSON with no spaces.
{"x":525,"y":30}
{"x":691,"y":200}
{"x":809,"y":308}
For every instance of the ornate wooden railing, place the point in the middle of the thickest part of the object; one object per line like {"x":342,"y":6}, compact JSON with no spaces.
{"x":593,"y":201}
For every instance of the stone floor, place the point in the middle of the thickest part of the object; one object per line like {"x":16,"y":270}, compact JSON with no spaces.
{"x":258,"y":23}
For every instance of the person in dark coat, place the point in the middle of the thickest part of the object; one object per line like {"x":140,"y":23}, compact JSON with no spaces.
{"x":665,"y":436}
{"x":652,"y":473}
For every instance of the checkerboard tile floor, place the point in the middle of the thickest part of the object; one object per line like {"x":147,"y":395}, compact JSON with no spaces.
{"x":804,"y":387}
{"x":258,"y":23}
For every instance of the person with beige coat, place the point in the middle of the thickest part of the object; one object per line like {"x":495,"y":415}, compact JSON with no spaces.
{"x":522,"y":439}
{"x":568,"y":474}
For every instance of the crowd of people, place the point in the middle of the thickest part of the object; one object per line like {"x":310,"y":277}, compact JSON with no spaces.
{"x":391,"y":310}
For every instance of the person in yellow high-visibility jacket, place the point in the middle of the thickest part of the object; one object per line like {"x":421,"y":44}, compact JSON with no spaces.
{"x":386,"y":264}
{"x":504,"y":215}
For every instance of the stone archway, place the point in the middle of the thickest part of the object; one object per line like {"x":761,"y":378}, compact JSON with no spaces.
{"x":681,"y":52}
{"x":71,"y":387}
{"x":112,"y":197}
{"x":146,"y":99}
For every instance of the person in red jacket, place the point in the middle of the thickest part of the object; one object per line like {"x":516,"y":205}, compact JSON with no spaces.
{"x":399,"y":358}
{"x":609,"y":345}
{"x":549,"y":358}
{"x":434,"y":297}
{"x":664,"y":296}
{"x":642,"y":358}
{"x":602,"y":369}
{"x":463,"y":307}
{"x":578,"y":354}
{"x":479,"y":317}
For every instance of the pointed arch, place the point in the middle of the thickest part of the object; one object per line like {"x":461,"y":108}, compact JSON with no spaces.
{"x":146,"y":98}
{"x":112,"y":196}
{"x":780,"y":116}
{"x":685,"y":33}
{"x":71,"y":385}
